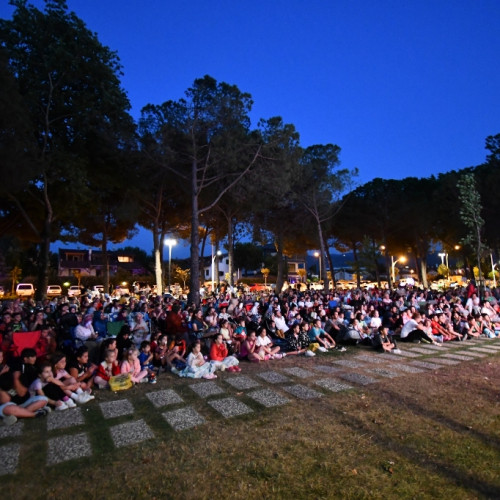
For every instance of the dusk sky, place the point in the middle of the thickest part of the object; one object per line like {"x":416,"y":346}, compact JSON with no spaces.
{"x":404,"y":87}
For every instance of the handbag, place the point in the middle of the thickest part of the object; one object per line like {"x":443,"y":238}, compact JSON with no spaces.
{"x":121,"y":382}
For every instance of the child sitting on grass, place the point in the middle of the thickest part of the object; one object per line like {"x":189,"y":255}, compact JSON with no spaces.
{"x":132,"y":365}
{"x":146,"y":361}
{"x":107,"y":369}
{"x":44,"y":386}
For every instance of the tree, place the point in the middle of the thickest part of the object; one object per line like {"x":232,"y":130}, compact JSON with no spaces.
{"x":212,"y":118}
{"x":470,"y":213}
{"x":320,"y":188}
{"x":70,"y":87}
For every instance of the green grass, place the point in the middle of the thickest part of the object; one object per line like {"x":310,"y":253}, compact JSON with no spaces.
{"x":429,"y":435}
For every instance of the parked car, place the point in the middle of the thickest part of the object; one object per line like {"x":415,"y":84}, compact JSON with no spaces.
{"x":54,"y":291}
{"x":74,"y":291}
{"x":25,"y":290}
{"x":259,"y":287}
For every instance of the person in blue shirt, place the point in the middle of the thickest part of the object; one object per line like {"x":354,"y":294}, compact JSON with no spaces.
{"x":317,"y":334}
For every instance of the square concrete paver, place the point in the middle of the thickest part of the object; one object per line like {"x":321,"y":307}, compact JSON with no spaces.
{"x":406,"y":368}
{"x":485,"y":350}
{"x":333,"y":385}
{"x":164,"y":398}
{"x":349,"y":363}
{"x":206,"y":389}
{"x":274,"y":377}
{"x":64,"y":419}
{"x":268,"y":398}
{"x":183,"y":418}
{"x":474,"y":354}
{"x":229,"y":407}
{"x":384,"y":373}
{"x":357,"y":378}
{"x":130,"y":433}
{"x":422,"y":350}
{"x":112,"y":409}
{"x":64,"y":448}
{"x":302,"y":391}
{"x":242,"y":382}
{"x":374,"y":358}
{"x":9,"y":458}
{"x":426,"y":364}
{"x":327,"y":369}
{"x":11,"y":430}
{"x":296,"y":371}
{"x":444,"y":361}
{"x":461,"y":357}
{"x":408,"y":354}
{"x":432,"y":347}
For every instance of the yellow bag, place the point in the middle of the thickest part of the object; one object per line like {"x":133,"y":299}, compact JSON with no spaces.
{"x":313,"y":346}
{"x":121,"y":382}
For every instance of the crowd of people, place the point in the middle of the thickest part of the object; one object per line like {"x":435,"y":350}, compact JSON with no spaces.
{"x":55,"y":353}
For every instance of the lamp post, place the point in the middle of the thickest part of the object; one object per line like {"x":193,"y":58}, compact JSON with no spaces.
{"x":170,"y":242}
{"x":318,"y":256}
{"x":218,"y":254}
{"x":393,"y":265}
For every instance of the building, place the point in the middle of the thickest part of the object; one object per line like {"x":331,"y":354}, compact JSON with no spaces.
{"x":90,"y":263}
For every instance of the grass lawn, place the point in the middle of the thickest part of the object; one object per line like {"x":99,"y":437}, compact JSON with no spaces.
{"x":434,"y":434}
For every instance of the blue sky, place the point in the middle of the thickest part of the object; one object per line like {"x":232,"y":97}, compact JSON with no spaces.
{"x":404,"y":87}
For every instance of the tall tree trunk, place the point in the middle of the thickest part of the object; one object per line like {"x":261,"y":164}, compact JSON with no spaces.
{"x":356,"y":265}
{"x":157,"y":257}
{"x":43,"y":269}
{"x":194,"y":282}
{"x":105,"y":260}
{"x":230,"y":250}
{"x":323,"y":256}
{"x":330,"y":263}
{"x":281,"y":263}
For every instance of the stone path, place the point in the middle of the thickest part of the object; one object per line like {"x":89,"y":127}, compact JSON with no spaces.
{"x":69,"y":438}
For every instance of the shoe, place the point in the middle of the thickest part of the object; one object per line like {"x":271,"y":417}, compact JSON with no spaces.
{"x":237,"y":369}
{"x":283,"y":354}
{"x":210,"y":376}
{"x":396,"y":351}
{"x":42,"y":412}
{"x":174,"y":370}
{"x":309,"y":354}
{"x":70,"y":403}
{"x":322,"y":349}
{"x":62,"y":407}
{"x":9,"y":420}
{"x":223,"y":368}
{"x":90,"y":397}
{"x":81,"y":399}
{"x":341,"y":349}
{"x":278,"y":356}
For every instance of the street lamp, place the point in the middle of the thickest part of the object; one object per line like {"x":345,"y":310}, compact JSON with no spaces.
{"x":318,"y":256}
{"x":218,"y":254}
{"x":393,"y":265}
{"x":169,"y":242}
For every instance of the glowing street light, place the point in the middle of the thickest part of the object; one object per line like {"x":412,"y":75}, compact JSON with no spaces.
{"x":218,"y":254}
{"x":318,"y":256}
{"x":393,"y":265}
{"x":493,"y":265}
{"x":169,"y":242}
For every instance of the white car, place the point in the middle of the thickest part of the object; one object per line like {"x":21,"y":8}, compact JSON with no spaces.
{"x":74,"y":291}
{"x":54,"y":291}
{"x":25,"y":290}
